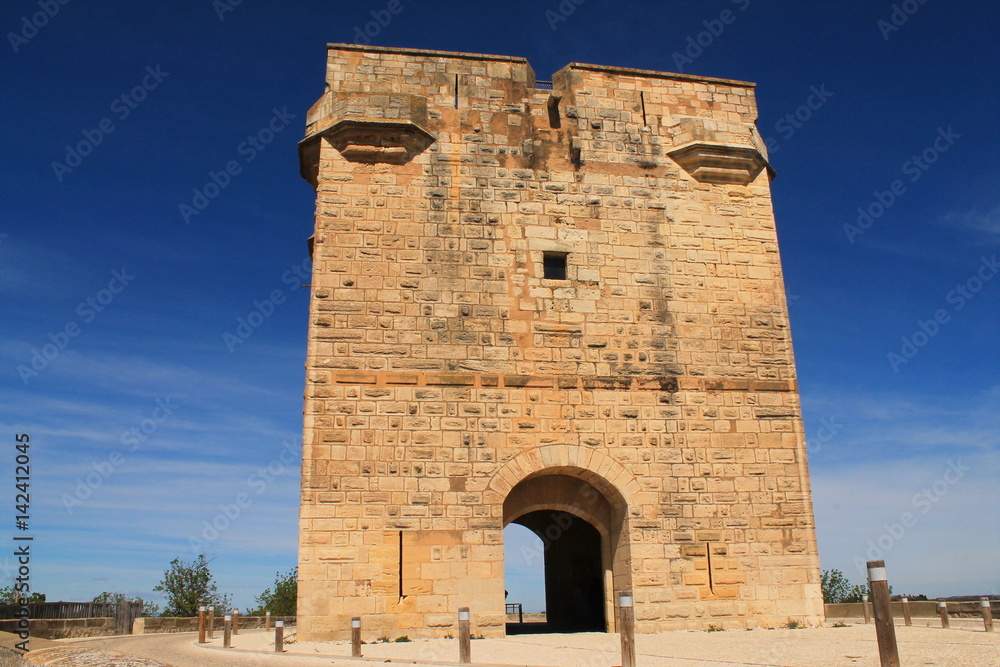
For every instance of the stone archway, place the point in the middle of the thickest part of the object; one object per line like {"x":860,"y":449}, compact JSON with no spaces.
{"x":585,"y":543}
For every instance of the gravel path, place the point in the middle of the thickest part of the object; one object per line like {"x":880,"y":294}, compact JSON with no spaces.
{"x":812,"y":647}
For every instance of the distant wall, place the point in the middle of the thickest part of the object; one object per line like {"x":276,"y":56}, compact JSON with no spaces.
{"x":528,"y":618}
{"x":919,"y":609}
{"x":61,"y":628}
{"x":157,"y":625}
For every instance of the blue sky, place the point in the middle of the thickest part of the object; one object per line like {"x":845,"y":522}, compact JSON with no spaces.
{"x":148,"y":423}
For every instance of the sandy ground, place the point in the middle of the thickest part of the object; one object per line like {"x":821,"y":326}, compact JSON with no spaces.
{"x":819,"y":647}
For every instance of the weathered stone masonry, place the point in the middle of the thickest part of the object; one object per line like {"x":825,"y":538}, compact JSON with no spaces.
{"x":453,"y":388}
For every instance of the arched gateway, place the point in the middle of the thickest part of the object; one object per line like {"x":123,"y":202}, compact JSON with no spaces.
{"x":581,"y":518}
{"x":559,"y":305}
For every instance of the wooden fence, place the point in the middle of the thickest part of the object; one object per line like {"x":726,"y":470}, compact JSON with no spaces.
{"x":124,"y":613}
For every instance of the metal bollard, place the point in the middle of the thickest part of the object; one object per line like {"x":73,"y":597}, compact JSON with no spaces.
{"x":211,"y":621}
{"x":943,"y":613}
{"x":356,"y":637}
{"x":868,"y":611}
{"x":279,"y":636}
{"x":885,"y":631}
{"x":227,"y":631}
{"x":464,"y":636}
{"x":626,"y":623}
{"x":201,"y":624}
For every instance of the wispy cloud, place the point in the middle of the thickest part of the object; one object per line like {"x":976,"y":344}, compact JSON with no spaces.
{"x":984,"y":223}
{"x":898,"y":426}
{"x":899,"y":481}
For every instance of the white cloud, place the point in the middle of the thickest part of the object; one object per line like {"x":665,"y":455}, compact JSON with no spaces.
{"x":911,"y":480}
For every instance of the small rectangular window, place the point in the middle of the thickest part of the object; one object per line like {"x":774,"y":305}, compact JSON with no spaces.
{"x":554,"y":265}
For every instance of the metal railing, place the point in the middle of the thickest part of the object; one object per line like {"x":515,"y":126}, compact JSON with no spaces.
{"x":544,"y":85}
{"x":515,"y":608}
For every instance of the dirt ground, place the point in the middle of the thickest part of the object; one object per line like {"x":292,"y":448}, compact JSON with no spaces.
{"x":819,"y":647}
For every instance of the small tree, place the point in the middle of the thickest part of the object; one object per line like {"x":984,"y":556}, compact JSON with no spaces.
{"x":188,"y":585}
{"x":9,"y":596}
{"x":281,"y":601}
{"x":148,"y":608}
{"x":837,"y":588}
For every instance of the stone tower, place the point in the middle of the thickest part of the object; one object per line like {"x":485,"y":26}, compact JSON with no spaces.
{"x":557,"y":304}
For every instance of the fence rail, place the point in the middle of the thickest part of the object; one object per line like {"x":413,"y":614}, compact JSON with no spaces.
{"x":68,"y":610}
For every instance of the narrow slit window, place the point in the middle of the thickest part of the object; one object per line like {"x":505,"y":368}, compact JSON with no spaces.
{"x":554,"y":265}
{"x":401,"y":596}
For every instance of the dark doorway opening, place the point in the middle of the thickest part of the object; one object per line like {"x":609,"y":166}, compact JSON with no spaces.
{"x":574,"y":575}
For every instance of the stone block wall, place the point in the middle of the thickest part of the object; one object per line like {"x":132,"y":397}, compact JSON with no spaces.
{"x":445,"y":367}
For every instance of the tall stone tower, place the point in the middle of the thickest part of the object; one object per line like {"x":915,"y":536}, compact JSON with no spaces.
{"x":557,"y":304}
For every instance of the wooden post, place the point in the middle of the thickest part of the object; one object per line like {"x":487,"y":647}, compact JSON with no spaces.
{"x":356,"y":637}
{"x":984,"y":603}
{"x":227,"y":631}
{"x":868,"y":611}
{"x":211,"y":621}
{"x":943,"y":613}
{"x":236,"y":621}
{"x":201,"y":624}
{"x":906,"y":611}
{"x":464,"y":636}
{"x":626,"y":626}
{"x":885,"y":631}
{"x":279,"y":636}
{"x":267,"y":620}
